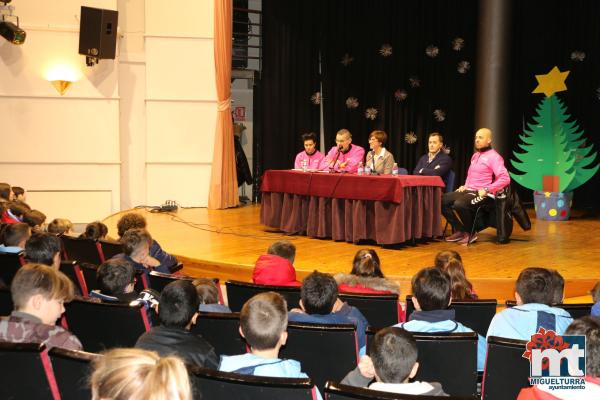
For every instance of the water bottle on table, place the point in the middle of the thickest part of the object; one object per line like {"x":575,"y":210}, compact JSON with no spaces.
{"x":304,"y":165}
{"x":395,"y":169}
{"x":361,"y":169}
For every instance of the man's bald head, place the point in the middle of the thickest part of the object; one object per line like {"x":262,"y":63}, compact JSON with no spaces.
{"x":483,"y":138}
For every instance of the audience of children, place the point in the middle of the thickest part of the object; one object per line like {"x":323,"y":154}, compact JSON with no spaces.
{"x":177,"y":312}
{"x":392,"y":363}
{"x":137,"y":221}
{"x":116,"y":281}
{"x":95,"y":230}
{"x":534,"y":295}
{"x":319,"y":303}
{"x":14,"y":211}
{"x":60,"y":226}
{"x":136,"y":250}
{"x":43,"y":248}
{"x":431,"y":298}
{"x":366,"y":276}
{"x":277,"y":266}
{"x":35,"y":219}
{"x":135,"y":374}
{"x":208,"y":295}
{"x":14,"y":237}
{"x":451,"y":263}
{"x":38,"y":294}
{"x":558,"y":285}
{"x":19,"y":194}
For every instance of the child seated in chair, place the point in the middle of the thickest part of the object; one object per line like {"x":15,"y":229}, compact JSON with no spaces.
{"x":14,"y":237}
{"x":431,"y":289}
{"x":38,"y":293}
{"x":366,"y":276}
{"x":263,"y":323}
{"x":208,"y":295}
{"x":534,"y":295}
{"x":277,"y":266}
{"x":319,"y":303}
{"x":177,"y":312}
{"x":60,"y":226}
{"x":136,"y":250}
{"x":95,"y":230}
{"x":116,"y":280}
{"x":393,"y":362}
{"x":43,"y":248}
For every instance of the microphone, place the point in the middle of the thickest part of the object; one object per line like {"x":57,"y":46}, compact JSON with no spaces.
{"x":339,"y":150}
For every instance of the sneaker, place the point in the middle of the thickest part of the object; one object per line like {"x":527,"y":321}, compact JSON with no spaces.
{"x":467,"y":240}
{"x":456,"y":236}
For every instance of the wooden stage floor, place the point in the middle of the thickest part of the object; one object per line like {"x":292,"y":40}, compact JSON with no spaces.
{"x":225,"y":244}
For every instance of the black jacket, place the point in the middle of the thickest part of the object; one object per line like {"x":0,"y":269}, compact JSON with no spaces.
{"x":192,"y":348}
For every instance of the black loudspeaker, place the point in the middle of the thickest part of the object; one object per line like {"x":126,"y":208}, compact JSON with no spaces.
{"x":98,"y":33}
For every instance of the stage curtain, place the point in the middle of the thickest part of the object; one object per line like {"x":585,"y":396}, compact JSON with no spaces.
{"x":290,"y":77}
{"x":223,"y":181}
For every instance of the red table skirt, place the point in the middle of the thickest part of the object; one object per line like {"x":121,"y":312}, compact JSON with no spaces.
{"x":417,"y":215}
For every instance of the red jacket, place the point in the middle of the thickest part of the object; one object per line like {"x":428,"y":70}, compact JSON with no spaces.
{"x":274,"y":270}
{"x":7,"y":219}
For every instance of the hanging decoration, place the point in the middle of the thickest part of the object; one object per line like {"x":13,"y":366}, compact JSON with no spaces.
{"x":432,"y":51}
{"x":458,"y":44}
{"x":414,"y":82}
{"x":352,"y":102}
{"x":439,"y":115}
{"x":410,"y":138}
{"x":347,"y":60}
{"x":386,"y":50}
{"x":598,"y":93}
{"x":463,"y":67}
{"x":371,"y":113}
{"x":400,"y":95}
{"x":578,"y":56}
{"x":316,"y":98}
{"x":446,"y":149}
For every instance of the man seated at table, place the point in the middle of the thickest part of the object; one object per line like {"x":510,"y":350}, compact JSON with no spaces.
{"x":310,"y":157}
{"x":436,"y":161}
{"x":486,"y":175}
{"x":345,"y":156}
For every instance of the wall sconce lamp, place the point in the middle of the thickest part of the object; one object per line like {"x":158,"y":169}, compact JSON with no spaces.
{"x":61,"y":76}
{"x":61,"y":86}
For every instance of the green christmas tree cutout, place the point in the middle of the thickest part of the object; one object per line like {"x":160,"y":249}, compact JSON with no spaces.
{"x":555,"y":157}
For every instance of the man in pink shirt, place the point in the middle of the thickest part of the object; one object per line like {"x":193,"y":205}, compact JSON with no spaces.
{"x":345,"y":156}
{"x":487,"y":174}
{"x":311,"y":156}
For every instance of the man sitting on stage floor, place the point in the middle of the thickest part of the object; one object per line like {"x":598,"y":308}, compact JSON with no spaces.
{"x":487,"y":175}
{"x":345,"y":156}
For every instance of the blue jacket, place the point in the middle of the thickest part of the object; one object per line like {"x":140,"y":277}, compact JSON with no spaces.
{"x":520,"y":322}
{"x":346,"y":315}
{"x":440,"y":165}
{"x":438,"y":321}
{"x":166,"y":260}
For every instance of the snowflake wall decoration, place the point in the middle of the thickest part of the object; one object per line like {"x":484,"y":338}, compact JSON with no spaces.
{"x":316,"y":98}
{"x":598,"y":93}
{"x":414,"y":82}
{"x":386,"y":50}
{"x":578,"y":55}
{"x":400,"y":95}
{"x":439,"y":115}
{"x":347,"y":60}
{"x":410,"y":138}
{"x":371,"y":113}
{"x":446,"y":149}
{"x":351,"y":102}
{"x":463,"y":67}
{"x":458,"y":44}
{"x":432,"y":51}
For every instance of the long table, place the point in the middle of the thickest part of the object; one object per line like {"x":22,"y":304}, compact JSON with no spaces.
{"x":348,"y":207}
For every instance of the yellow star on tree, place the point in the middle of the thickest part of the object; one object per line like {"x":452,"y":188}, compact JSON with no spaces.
{"x":552,"y":82}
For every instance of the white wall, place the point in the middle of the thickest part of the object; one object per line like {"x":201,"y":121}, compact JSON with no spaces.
{"x":135,"y":130}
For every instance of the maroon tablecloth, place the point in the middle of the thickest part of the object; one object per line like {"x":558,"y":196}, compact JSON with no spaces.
{"x":350,"y":207}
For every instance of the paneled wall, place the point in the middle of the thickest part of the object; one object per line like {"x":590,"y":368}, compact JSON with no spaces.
{"x":135,"y":130}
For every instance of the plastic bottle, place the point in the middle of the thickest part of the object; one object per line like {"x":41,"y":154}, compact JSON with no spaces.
{"x":367,"y":169}
{"x":361,"y":169}
{"x":304,"y":165}
{"x":395,"y":169}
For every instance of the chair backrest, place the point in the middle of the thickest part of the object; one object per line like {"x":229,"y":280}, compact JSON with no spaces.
{"x":379,"y":309}
{"x":506,"y":371}
{"x":449,"y":181}
{"x":71,"y":370}
{"x":73,"y":271}
{"x":221,"y":330}
{"x":240,"y":292}
{"x":9,"y":265}
{"x":450,"y":359}
{"x":82,"y":249}
{"x":89,"y":274}
{"x":26,"y":372}
{"x":337,"y":391}
{"x":102,"y":326}
{"x":325,"y":352}
{"x":109,"y":249}
{"x":475,"y":314}
{"x":6,"y":303}
{"x":577,"y":310}
{"x":219,"y":385}
{"x":159,"y":280}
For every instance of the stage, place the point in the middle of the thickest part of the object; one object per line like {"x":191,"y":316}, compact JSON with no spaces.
{"x":226,"y":243}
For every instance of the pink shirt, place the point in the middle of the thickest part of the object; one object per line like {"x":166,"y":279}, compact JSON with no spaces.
{"x":354,"y":156}
{"x":484,"y":166}
{"x":312,"y":162}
